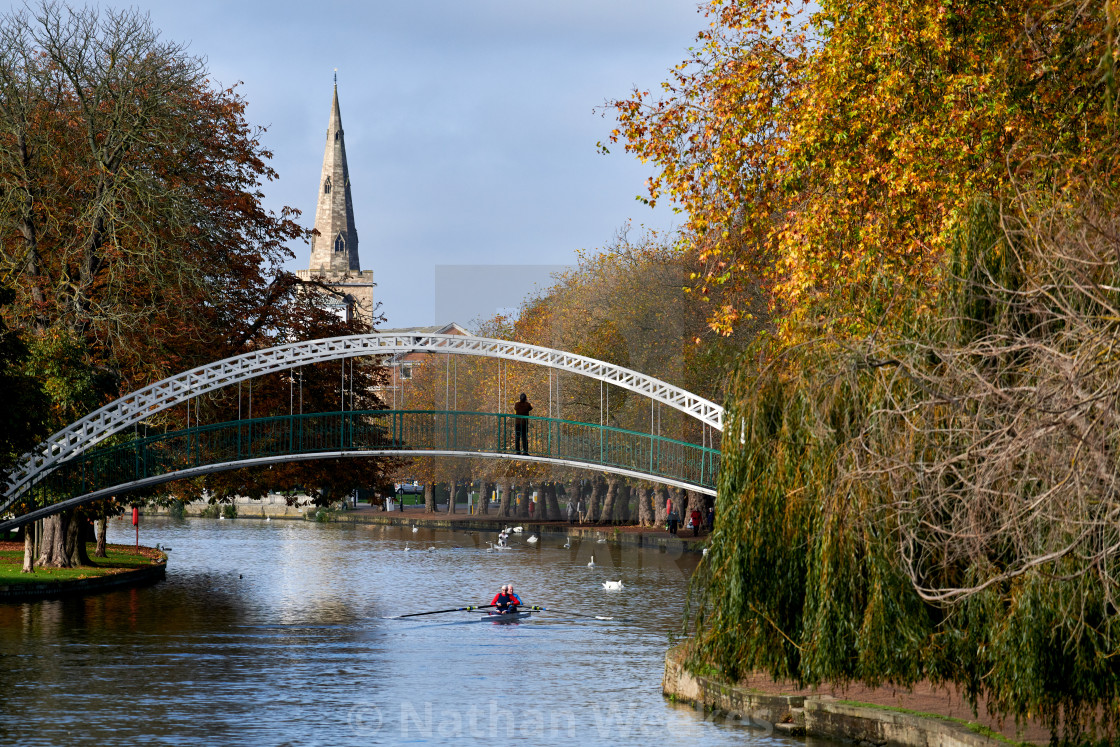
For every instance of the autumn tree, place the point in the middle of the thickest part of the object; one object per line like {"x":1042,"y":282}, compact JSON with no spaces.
{"x":133,"y":229}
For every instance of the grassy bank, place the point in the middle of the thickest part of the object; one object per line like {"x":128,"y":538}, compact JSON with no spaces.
{"x":120,"y":558}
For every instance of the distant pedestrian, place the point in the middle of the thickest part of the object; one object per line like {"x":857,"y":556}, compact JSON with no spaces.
{"x":571,"y":512}
{"x":694,"y":522}
{"x":521,"y":426}
{"x":710,"y":519}
{"x":673,"y":520}
{"x":581,"y":511}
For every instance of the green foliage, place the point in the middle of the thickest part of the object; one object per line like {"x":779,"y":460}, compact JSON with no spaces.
{"x":229,"y":511}
{"x":938,"y":503}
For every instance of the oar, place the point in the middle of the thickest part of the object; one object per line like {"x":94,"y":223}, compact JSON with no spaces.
{"x":575,"y":614}
{"x":455,"y":609}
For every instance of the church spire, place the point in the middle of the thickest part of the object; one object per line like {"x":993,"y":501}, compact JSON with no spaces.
{"x":336,"y":247}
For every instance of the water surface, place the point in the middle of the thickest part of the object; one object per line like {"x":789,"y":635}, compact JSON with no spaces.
{"x":269,"y":633}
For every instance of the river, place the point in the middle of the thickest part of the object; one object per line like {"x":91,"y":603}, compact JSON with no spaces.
{"x":279,"y":633}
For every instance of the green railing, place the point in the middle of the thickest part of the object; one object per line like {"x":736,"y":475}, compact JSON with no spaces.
{"x":143,"y":458}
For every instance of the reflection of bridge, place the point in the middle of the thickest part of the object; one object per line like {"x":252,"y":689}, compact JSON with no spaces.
{"x":164,"y":457}
{"x":69,"y":446}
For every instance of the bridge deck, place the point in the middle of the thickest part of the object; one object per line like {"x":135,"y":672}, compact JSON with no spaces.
{"x":152,"y":459}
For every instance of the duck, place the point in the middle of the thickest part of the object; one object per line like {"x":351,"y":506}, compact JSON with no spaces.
{"x":532,"y":539}
{"x":591,"y":563}
{"x":613,"y":585}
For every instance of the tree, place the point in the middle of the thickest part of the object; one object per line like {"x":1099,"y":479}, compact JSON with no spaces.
{"x":130,"y":201}
{"x":920,"y":483}
{"x":829,"y":152}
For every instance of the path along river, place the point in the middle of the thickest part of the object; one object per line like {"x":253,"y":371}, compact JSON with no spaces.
{"x":270,"y":633}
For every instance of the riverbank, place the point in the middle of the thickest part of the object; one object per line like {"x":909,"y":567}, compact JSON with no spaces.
{"x":624,"y":536}
{"x":124,"y":566}
{"x":917,"y":717}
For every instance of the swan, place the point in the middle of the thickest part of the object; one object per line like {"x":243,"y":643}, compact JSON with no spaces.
{"x":222,"y":517}
{"x":406,"y":547}
{"x":518,"y":530}
{"x":704,"y":552}
{"x":268,"y":518}
{"x":591,"y":563}
{"x":431,"y":549}
{"x":602,"y":540}
{"x":416,"y":529}
{"x":532,"y":539}
{"x":568,"y":545}
{"x":613,"y":585}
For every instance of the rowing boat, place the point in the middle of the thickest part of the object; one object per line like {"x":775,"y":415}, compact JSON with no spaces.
{"x":505,"y":617}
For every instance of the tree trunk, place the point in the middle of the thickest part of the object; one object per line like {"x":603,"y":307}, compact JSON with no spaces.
{"x":624,"y":494}
{"x":523,"y":497}
{"x":695,"y":501}
{"x":102,"y":527}
{"x":77,"y":535}
{"x":554,"y":513}
{"x":429,"y":498}
{"x":646,"y":497}
{"x":598,"y":487}
{"x":503,"y":502}
{"x":660,"y":515}
{"x":606,"y":515}
{"x":52,"y":551}
{"x":484,"y":489}
{"x":29,"y":547}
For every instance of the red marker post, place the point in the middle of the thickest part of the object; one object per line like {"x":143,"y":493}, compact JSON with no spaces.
{"x":136,"y":523}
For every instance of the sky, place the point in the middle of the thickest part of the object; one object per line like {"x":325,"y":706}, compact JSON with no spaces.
{"x":471,"y":127}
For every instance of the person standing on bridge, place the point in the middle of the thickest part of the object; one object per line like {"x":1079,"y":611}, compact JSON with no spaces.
{"x":521,"y":426}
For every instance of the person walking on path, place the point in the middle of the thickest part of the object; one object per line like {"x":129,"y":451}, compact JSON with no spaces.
{"x":581,"y":511}
{"x":571,"y":512}
{"x":521,"y":426}
{"x":694,"y":521}
{"x":710,"y":519}
{"x":673,"y":519}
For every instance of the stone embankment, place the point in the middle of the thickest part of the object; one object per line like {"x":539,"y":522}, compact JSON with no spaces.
{"x":918,"y":717}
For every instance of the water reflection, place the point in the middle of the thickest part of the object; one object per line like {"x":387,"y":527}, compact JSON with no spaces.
{"x":276,"y":633}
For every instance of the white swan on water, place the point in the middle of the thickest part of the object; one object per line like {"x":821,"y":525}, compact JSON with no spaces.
{"x":613,"y":585}
{"x":591,"y":563}
{"x":532,"y":539}
{"x":416,"y":529}
{"x":518,"y":530}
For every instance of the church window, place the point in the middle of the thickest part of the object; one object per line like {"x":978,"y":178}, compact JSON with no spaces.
{"x":327,"y":186}
{"x":336,"y":134}
{"x":340,"y":243}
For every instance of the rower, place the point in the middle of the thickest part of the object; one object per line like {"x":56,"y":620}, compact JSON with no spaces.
{"x":502,"y":599}
{"x":515,"y":601}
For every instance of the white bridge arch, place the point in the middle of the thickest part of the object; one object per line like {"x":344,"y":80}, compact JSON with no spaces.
{"x":132,"y":408}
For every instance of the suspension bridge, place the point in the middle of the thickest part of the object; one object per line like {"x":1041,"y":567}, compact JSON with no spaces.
{"x":74,"y":466}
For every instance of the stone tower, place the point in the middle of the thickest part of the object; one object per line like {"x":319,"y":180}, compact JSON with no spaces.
{"x":334,"y":251}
